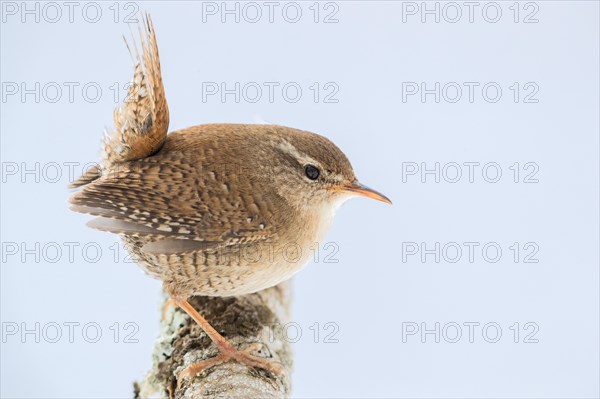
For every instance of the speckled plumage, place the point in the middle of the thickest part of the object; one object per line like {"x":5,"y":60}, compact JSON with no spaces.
{"x":213,"y":210}
{"x":198,"y":213}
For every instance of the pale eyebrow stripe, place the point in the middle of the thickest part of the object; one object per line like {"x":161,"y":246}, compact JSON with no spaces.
{"x":289,"y":148}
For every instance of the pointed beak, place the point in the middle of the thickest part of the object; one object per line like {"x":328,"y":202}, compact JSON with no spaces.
{"x":365,"y":191}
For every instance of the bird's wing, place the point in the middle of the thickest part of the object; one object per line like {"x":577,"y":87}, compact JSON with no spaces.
{"x":141,"y":123}
{"x":165,"y":197}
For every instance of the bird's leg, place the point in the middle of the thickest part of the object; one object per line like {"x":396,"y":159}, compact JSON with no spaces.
{"x":168,"y":303}
{"x":227,"y":352}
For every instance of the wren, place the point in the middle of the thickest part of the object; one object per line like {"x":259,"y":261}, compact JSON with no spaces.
{"x":209,"y":210}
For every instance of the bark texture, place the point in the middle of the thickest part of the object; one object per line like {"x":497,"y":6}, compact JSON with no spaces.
{"x":242,"y":320}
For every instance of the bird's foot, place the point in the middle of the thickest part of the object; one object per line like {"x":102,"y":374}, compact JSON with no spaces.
{"x":228,"y":354}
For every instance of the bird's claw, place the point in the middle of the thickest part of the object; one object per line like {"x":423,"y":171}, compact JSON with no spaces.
{"x":243,"y":356}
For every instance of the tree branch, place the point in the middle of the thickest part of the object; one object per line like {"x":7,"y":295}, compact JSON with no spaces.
{"x":242,"y":320}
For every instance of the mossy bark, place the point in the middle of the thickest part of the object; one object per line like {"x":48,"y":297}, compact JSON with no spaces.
{"x":242,"y":320}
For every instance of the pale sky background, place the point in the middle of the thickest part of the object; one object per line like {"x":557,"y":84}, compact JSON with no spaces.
{"x":544,"y":124}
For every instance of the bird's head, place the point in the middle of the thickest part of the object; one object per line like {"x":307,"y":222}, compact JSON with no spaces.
{"x":312,"y":171}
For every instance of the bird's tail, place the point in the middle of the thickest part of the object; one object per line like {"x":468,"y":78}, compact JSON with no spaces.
{"x":142,"y":121}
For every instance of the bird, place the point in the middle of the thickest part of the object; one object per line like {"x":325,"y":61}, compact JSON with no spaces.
{"x":211,"y":210}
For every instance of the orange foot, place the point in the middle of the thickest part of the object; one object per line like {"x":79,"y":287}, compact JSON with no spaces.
{"x":228,"y":354}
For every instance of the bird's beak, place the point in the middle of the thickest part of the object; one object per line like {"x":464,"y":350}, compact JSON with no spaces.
{"x":363,"y":190}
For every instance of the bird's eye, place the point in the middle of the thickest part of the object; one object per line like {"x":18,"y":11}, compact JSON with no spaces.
{"x":312,"y":172}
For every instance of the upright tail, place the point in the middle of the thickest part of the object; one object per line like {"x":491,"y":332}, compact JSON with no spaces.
{"x":142,"y":122}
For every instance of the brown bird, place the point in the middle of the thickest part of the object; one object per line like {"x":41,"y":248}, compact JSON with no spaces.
{"x":213,"y":209}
